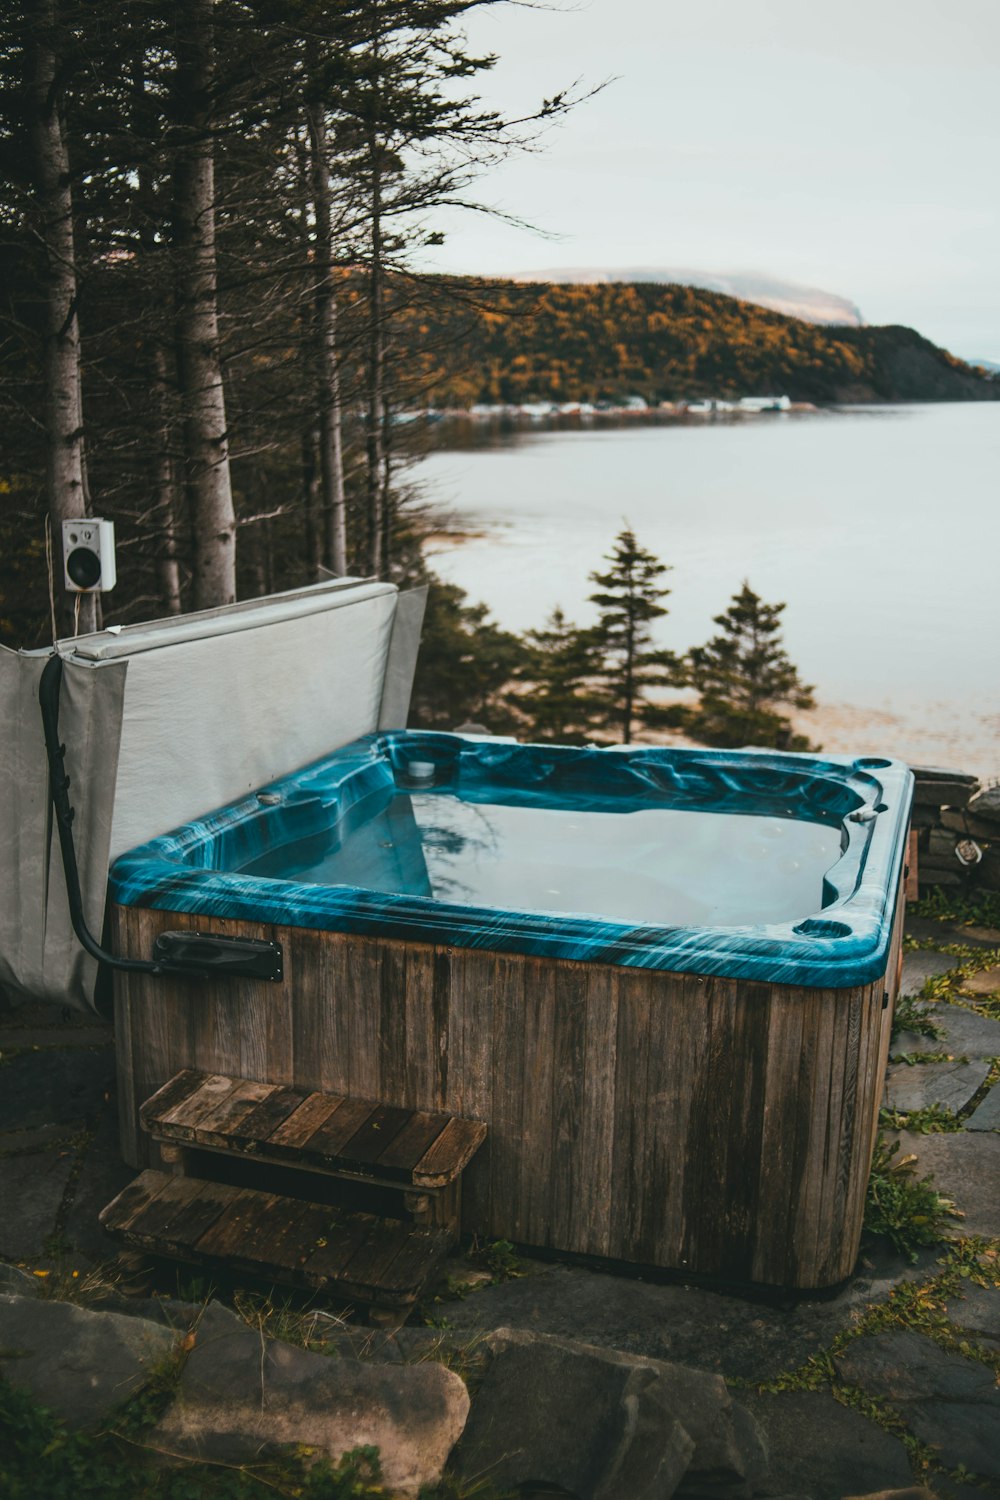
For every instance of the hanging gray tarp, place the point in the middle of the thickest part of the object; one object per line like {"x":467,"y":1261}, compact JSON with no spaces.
{"x":166,"y":721}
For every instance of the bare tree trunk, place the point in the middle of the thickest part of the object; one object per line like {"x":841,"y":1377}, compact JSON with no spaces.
{"x":164,"y":487}
{"x":388,"y":508}
{"x":629,"y":705}
{"x":310,"y":503}
{"x":206,"y":442}
{"x":375,"y":404}
{"x":162,"y":467}
{"x":64,"y":477}
{"x":331,"y":441}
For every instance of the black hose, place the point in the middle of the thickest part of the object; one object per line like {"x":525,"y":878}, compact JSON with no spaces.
{"x":200,"y":954}
{"x":48,"y":702}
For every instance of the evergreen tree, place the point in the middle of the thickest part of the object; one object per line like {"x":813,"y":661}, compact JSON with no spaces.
{"x":742,"y":675}
{"x":560,"y":705}
{"x":628,"y":599}
{"x":465,"y":663}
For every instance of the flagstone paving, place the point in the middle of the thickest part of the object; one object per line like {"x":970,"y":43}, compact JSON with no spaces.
{"x":793,"y":1362}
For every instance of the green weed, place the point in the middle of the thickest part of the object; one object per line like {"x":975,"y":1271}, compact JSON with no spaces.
{"x":40,"y":1456}
{"x":933,"y":1119}
{"x":980,"y":910}
{"x":915,"y":1059}
{"x":910,"y":1015}
{"x":499,"y":1258}
{"x":910,"y":1212}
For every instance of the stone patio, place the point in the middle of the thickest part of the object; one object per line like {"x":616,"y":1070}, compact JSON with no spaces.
{"x":59,"y":1166}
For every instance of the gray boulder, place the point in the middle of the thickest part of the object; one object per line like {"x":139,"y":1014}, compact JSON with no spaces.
{"x":242,"y":1396}
{"x":985,"y":808}
{"x":603,"y":1424}
{"x":80,"y":1364}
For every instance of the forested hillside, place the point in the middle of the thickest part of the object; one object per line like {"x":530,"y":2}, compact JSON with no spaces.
{"x":494,"y":341}
{"x":211,"y":316}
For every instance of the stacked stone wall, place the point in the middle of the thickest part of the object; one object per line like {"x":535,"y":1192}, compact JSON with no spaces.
{"x":957,"y":823}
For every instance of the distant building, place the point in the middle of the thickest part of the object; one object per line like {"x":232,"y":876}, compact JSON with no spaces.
{"x":765,"y":403}
{"x":708,"y":407}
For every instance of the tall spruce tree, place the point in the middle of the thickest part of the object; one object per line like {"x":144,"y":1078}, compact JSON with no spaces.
{"x":628,"y":599}
{"x":207,"y":214}
{"x":558,"y":699}
{"x":743,"y":674}
{"x":49,"y":46}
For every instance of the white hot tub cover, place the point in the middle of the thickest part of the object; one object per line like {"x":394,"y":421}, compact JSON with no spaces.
{"x":165,"y":721}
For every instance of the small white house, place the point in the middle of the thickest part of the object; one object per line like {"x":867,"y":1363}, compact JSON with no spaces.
{"x":765,"y":403}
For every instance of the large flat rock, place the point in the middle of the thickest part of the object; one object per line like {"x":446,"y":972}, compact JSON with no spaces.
{"x":947,"y":1401}
{"x":820,"y":1449}
{"x":966,"y":1034}
{"x":239,"y":1396}
{"x":82,"y":1365}
{"x":596,"y":1424}
{"x":977,"y":1311}
{"x":918,"y":1085}
{"x":986,"y":1116}
{"x":966,"y":1168}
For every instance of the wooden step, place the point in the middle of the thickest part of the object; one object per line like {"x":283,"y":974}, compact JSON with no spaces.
{"x":330,"y":1133}
{"x":355,"y":1255}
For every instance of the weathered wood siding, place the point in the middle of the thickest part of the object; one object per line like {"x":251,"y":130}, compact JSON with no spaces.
{"x":716,"y":1125}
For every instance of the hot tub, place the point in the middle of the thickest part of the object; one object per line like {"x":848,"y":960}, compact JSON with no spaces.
{"x":663,"y":978}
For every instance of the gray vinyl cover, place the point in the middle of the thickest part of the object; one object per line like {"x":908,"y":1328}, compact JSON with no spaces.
{"x":164,"y":722}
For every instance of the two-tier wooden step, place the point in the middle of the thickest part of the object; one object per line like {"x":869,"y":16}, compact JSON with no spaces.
{"x":420,"y":1154}
{"x":212,"y":1224}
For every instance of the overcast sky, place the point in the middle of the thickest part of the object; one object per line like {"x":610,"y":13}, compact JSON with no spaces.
{"x":849,"y":146}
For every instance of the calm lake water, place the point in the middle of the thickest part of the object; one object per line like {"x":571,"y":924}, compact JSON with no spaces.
{"x":880,"y":528}
{"x":666,"y":863}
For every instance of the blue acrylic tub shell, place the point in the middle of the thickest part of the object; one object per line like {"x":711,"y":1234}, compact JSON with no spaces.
{"x":844,"y":943}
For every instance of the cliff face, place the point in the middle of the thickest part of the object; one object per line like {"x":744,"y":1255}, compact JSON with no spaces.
{"x":504,"y":341}
{"x":908,"y":367}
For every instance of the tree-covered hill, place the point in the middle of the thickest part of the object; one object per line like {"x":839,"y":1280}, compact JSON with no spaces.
{"x":497,"y":341}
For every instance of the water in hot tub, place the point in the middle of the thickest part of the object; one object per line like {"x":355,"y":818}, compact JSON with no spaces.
{"x":645,"y":865}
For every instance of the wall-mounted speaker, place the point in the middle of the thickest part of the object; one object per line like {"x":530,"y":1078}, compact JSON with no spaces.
{"x":89,"y":556}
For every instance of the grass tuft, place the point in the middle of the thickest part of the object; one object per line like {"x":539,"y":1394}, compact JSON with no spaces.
{"x":933,"y":1119}
{"x":911,"y":1015}
{"x":979,"y":910}
{"x":910,"y":1212}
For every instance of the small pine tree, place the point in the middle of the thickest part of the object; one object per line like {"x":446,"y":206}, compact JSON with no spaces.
{"x":464,"y":665}
{"x":559,"y":703}
{"x":742,"y":675}
{"x":628,"y":599}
